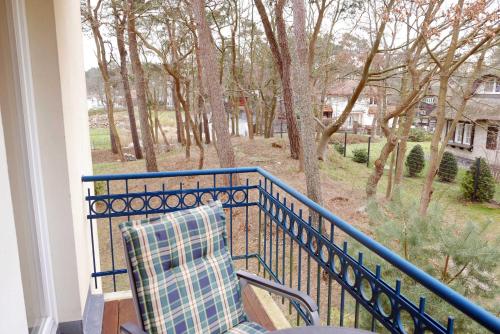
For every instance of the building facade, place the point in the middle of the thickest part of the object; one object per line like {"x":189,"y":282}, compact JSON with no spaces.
{"x":44,"y":151}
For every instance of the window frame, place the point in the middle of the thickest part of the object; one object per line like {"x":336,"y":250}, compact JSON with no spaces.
{"x":461,"y":128}
{"x":495,"y":86}
{"x":468,"y":132}
{"x":459,"y":132}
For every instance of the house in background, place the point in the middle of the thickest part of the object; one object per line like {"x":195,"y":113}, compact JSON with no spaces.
{"x":477,"y":133}
{"x":424,"y":118}
{"x":363,"y":112}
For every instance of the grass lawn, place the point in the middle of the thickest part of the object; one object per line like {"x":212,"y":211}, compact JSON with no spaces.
{"x":99,"y":137}
{"x":376,"y":148}
{"x":167,"y":118}
{"x":446,"y":194}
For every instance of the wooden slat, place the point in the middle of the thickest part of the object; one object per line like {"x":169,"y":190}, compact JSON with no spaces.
{"x":118,"y":312}
{"x":255,"y":311}
{"x":126,"y":312}
{"x":110,"y":317}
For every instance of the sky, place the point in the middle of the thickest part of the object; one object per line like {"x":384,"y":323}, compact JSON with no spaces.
{"x":89,"y":58}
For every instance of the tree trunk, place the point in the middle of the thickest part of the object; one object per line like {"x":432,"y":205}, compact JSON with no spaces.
{"x":116,"y":146}
{"x":281,"y":57}
{"x":120,"y":41}
{"x":181,"y":138}
{"x":206,"y":127}
{"x":427,"y":189}
{"x":371,"y":185}
{"x":201,"y":93}
{"x":93,"y":17}
{"x":390,"y":174}
{"x":388,"y":191}
{"x":249,"y":116}
{"x":291,"y":121}
{"x":303,"y":104}
{"x":403,"y":139}
{"x":208,"y":61}
{"x":151,"y":165}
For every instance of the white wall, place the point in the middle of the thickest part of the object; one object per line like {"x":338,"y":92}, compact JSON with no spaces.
{"x":479,"y":147}
{"x":76,"y":128}
{"x":59,"y":85}
{"x":62,"y":140}
{"x":12,"y":308}
{"x":338,"y":103}
{"x":20,"y":192}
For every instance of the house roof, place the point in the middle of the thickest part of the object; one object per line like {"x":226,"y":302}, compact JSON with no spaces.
{"x":478,"y":109}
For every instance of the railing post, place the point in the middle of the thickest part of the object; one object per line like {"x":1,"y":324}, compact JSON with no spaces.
{"x":281,"y":128}
{"x":369,"y":146}
{"x":476,"y":179}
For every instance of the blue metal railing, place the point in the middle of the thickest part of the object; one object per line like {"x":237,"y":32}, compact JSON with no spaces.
{"x":282,"y":234}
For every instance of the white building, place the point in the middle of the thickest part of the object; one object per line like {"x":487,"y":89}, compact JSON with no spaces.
{"x":477,"y":133}
{"x":363,"y":112}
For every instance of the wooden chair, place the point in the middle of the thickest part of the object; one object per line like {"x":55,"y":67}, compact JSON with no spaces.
{"x":183,"y":279}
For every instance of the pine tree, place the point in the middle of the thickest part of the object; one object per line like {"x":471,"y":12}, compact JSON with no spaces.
{"x":448,"y":168}
{"x":415,"y":161}
{"x":485,"y":183}
{"x":464,"y":259}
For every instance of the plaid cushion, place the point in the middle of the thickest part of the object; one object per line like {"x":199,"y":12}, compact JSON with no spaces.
{"x":247,"y":327}
{"x":184,"y":275}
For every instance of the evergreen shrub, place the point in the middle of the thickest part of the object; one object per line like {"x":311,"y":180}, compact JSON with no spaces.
{"x":339,"y":148}
{"x":415,"y":161}
{"x":448,"y":168}
{"x":360,"y":155}
{"x":485,"y":183}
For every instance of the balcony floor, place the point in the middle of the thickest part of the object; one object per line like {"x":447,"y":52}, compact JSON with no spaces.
{"x":117,"y":312}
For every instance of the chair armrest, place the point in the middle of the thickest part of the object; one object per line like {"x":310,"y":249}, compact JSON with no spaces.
{"x":303,"y":299}
{"x":131,"y":328}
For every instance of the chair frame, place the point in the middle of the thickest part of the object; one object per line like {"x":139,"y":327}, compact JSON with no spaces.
{"x":245,"y":279}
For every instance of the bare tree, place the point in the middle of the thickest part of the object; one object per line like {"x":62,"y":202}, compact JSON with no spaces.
{"x":120,"y":25}
{"x":415,"y":74}
{"x":282,"y":60}
{"x":92,"y":16}
{"x":201,"y":87}
{"x":171,"y":64}
{"x":480,"y":27}
{"x":303,"y":103}
{"x":140,"y":87}
{"x":214,"y":90}
{"x":365,"y":73}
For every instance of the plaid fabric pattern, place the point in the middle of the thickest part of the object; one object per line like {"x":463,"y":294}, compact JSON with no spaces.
{"x":247,"y":327}
{"x":184,"y":275}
